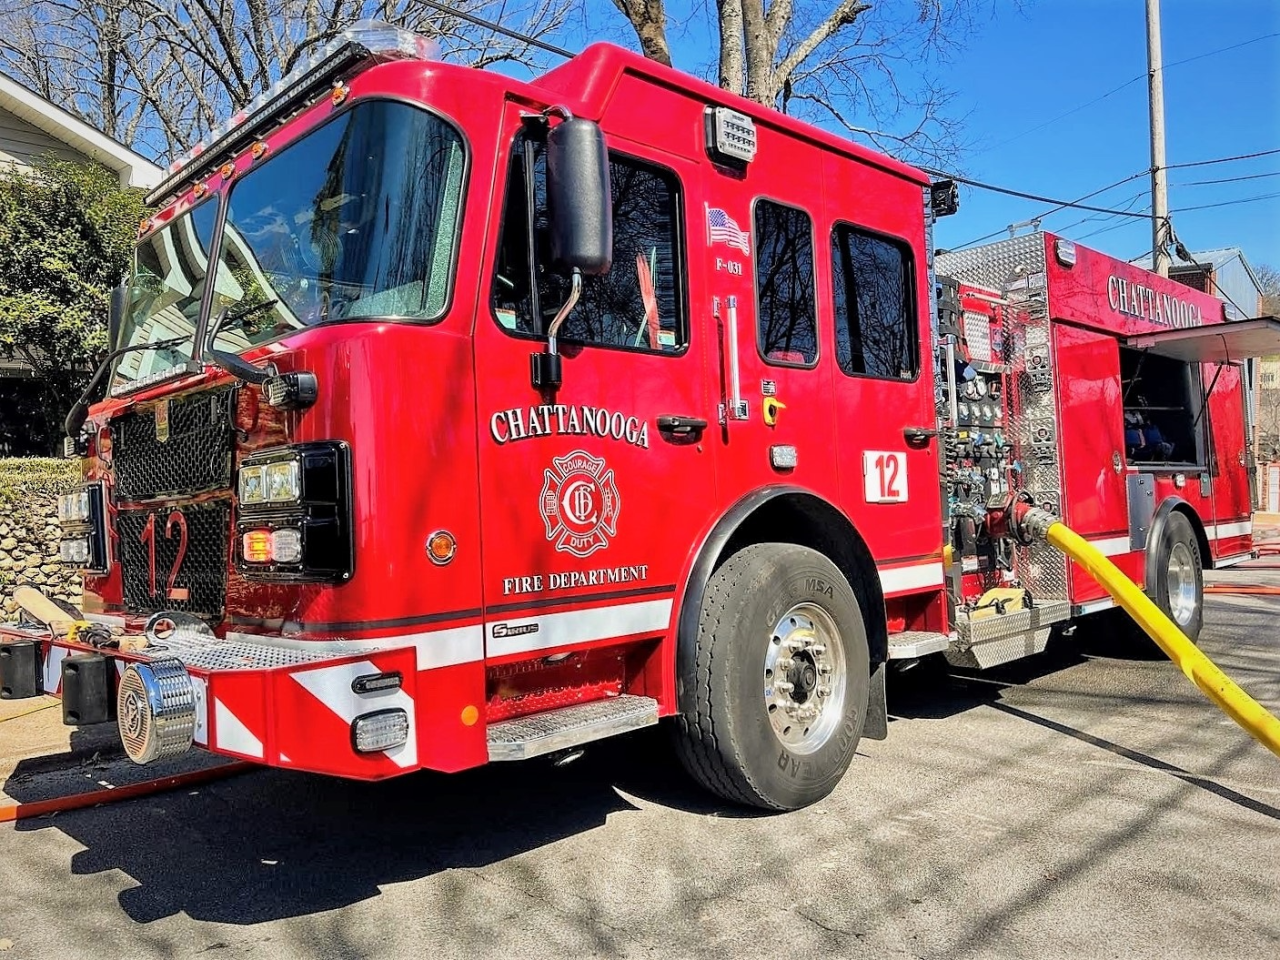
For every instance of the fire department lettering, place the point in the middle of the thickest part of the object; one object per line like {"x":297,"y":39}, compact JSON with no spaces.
{"x":579,"y":503}
{"x":573,"y":579}
{"x":559,"y":419}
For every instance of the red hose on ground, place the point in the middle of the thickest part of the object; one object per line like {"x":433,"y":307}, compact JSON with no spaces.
{"x":1256,"y":589}
{"x":76,"y":801}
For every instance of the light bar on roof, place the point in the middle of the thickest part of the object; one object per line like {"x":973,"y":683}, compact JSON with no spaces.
{"x":361,"y":41}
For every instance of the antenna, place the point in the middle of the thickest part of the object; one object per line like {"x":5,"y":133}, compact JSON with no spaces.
{"x":497,"y":28}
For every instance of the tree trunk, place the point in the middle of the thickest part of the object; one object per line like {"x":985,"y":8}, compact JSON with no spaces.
{"x":649,"y":20}
{"x":731,"y":65}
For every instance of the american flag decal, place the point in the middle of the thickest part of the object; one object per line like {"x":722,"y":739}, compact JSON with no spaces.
{"x":722,"y":228}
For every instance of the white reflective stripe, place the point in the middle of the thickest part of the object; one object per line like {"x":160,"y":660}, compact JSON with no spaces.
{"x":1221,"y":531}
{"x":232,"y":734}
{"x":580,"y":626}
{"x":200,"y":687}
{"x":1093,"y":606}
{"x":434,"y":648}
{"x":1113,"y":546}
{"x":332,"y":687}
{"x":53,"y":668}
{"x":1232,"y":561}
{"x":898,"y":579}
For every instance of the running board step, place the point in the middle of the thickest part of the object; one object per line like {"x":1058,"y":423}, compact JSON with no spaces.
{"x":553,"y":730}
{"x":916,"y":643}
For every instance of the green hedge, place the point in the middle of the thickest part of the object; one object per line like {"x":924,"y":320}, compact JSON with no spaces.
{"x":26,"y":479}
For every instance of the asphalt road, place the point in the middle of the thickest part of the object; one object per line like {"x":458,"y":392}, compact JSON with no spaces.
{"x":1075,"y":805}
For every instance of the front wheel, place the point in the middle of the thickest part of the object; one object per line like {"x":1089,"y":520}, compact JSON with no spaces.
{"x":774,"y":700}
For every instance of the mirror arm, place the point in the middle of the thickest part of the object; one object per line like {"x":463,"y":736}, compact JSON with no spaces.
{"x":575,"y":291}
{"x":545,"y":372}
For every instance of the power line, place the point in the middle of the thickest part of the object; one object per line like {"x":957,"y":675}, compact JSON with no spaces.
{"x":1229,"y":203}
{"x":1110,"y":186}
{"x":1127,"y":83}
{"x":1026,"y":196}
{"x":1205,"y":163}
{"x":1251,"y":176}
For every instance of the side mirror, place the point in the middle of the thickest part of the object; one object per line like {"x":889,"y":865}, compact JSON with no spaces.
{"x":579,"y":203}
{"x":115,"y":314}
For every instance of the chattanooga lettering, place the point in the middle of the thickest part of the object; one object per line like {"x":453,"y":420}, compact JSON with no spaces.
{"x":1135,"y":300}
{"x":564,"y":420}
{"x":572,"y":579}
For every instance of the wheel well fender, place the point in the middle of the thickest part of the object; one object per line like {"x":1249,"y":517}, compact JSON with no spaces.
{"x":784,"y":514}
{"x":1166,"y":509}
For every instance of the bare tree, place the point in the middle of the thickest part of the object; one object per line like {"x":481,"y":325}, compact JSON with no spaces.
{"x":159,"y":74}
{"x":869,"y":66}
{"x":1269,"y":277}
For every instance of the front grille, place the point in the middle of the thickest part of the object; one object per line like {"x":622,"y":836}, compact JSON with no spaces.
{"x":193,"y":456}
{"x":190,"y":572}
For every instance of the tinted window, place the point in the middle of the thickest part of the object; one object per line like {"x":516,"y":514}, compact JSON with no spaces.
{"x":638,"y":304}
{"x":786,"y":316}
{"x":875,"y":305}
{"x":357,"y":219}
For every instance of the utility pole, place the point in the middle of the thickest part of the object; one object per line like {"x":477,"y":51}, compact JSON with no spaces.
{"x":1159,"y":176}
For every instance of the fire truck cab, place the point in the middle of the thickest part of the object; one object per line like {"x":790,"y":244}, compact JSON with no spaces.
{"x":462,"y":419}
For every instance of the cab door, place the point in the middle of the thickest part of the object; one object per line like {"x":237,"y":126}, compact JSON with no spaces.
{"x":590,"y":493}
{"x":877,"y":299}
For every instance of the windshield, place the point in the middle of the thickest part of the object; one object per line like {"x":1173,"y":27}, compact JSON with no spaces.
{"x":356,"y":220}
{"x":164,"y":295}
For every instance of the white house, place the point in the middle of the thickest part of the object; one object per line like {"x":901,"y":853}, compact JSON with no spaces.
{"x":31,"y":126}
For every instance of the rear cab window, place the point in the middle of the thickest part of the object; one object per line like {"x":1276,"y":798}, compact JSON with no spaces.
{"x":786,"y":299}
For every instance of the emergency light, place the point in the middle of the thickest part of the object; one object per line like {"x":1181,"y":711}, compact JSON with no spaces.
{"x":361,"y":41}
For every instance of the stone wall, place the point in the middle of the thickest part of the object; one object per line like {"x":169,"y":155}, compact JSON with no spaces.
{"x":29,"y":531}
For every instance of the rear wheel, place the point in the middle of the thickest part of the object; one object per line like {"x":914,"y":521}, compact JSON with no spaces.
{"x":773,"y":704}
{"x":1179,"y":586}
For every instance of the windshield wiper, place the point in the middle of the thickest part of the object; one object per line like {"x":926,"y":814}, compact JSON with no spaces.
{"x":230,"y":362}
{"x":80,"y":409}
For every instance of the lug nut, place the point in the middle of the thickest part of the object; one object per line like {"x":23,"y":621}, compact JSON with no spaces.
{"x":784,"y":664}
{"x":784,"y":686}
{"x":818,"y":649}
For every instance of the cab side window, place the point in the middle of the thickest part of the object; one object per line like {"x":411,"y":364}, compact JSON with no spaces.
{"x":786,"y":304}
{"x":874,"y":305}
{"x":639,"y":303}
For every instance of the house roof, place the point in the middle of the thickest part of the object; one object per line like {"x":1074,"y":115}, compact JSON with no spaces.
{"x":134,"y":169}
{"x":1217,"y":259}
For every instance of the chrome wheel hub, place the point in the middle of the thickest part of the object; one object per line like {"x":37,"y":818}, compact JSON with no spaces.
{"x":804,"y":678}
{"x":1180,"y":579}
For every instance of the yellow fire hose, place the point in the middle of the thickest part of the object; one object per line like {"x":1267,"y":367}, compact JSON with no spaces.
{"x":1199,"y":669}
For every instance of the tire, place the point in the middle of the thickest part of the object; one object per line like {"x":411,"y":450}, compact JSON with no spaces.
{"x":1179,"y":587}
{"x":773,"y":611}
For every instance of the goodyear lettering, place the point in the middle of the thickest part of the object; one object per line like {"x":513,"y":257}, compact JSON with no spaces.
{"x":559,"y":419}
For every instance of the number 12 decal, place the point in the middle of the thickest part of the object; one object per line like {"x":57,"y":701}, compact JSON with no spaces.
{"x":884,"y":476}
{"x":148,"y":536}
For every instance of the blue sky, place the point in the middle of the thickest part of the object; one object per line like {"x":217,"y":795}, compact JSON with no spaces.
{"x":1025,"y":70}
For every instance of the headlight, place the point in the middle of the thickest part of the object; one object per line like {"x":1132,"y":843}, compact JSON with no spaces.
{"x":295,"y":515}
{"x":74,"y":550}
{"x":74,"y":507}
{"x":82,"y":515}
{"x":253,"y":484}
{"x":282,"y":482}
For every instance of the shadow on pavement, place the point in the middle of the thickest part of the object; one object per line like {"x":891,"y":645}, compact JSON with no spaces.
{"x":274,"y":844}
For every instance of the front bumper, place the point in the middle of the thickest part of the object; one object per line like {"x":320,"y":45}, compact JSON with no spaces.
{"x":278,"y":701}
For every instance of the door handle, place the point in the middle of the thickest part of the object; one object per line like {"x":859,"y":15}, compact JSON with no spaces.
{"x":918,"y":436}
{"x":681,"y":426}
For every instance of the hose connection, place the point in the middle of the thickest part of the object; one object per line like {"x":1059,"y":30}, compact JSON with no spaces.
{"x":1017,"y":516}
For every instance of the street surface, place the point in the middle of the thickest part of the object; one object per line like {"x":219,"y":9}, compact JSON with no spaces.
{"x":1078,"y":804}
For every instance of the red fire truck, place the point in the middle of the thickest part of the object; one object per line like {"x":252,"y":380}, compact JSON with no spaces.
{"x":456,"y":419}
